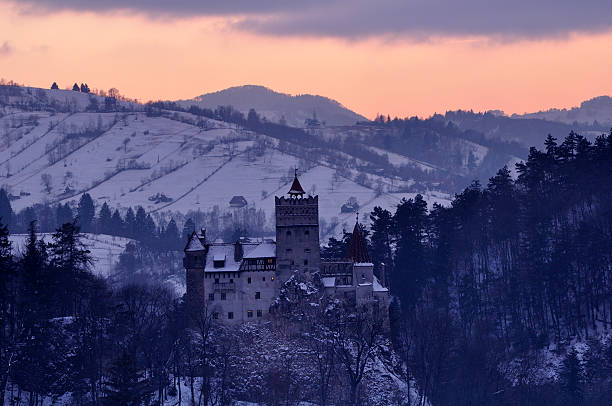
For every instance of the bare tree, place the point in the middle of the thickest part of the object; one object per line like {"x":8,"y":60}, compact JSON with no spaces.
{"x":356,"y":336}
{"x":47,"y":182}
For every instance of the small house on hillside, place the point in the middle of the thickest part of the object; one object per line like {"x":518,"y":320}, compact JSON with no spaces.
{"x":238,"y":202}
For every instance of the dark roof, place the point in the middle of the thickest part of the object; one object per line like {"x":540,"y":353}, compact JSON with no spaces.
{"x":358,"y":249}
{"x":238,"y":200}
{"x":296,"y":188}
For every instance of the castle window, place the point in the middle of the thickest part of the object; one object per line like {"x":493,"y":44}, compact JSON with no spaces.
{"x":249,"y":313}
{"x":305,"y":262}
{"x":272,"y":278}
{"x":215,"y":315}
{"x":257,"y":295}
{"x":263,"y":279}
{"x":307,"y":250}
{"x":222,"y":296}
{"x":231,"y":281}
{"x":230,"y":315}
{"x":249,"y":280}
{"x":289,"y":250}
{"x":211,"y":296}
{"x":217,"y":281}
{"x":307,"y":232}
{"x":288,"y":233}
{"x":259,"y":313}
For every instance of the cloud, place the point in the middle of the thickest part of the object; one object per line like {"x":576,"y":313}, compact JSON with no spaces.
{"x":6,"y":49}
{"x":354,"y":19}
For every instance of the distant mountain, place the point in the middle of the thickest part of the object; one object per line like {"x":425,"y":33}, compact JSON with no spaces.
{"x":275,"y":106}
{"x":597,"y":110}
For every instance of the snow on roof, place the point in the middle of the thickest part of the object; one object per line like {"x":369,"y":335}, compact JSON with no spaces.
{"x":364,"y":264}
{"x":264,"y":250}
{"x":194,"y":244}
{"x":329,"y":282}
{"x":378,"y":287}
{"x":221,"y":252}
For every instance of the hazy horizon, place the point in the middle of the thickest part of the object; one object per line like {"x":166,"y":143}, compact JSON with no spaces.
{"x":389,"y":67}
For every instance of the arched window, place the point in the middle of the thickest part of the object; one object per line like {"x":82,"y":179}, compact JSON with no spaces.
{"x":288,"y":233}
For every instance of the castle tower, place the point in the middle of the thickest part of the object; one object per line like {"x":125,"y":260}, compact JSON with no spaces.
{"x":193,"y":261}
{"x":297,"y":231}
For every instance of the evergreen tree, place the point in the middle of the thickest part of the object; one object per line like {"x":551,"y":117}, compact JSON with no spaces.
{"x":117,"y":227}
{"x":125,"y":386}
{"x":63,"y":214}
{"x":382,"y":222}
{"x":188,"y":229}
{"x":70,"y":261}
{"x":54,"y":86}
{"x":84,"y":88}
{"x":76,"y":88}
{"x":571,"y":378}
{"x":6,"y":211}
{"x":172,"y":240}
{"x":105,"y":220}
{"x":86,"y":212}
{"x":409,"y":224}
{"x":130,"y":223}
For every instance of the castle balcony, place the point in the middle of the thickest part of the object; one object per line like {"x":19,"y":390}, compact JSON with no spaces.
{"x":193,"y":262}
{"x":224,"y":287}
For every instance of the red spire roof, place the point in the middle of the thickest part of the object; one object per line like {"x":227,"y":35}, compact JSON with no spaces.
{"x":358,"y":250}
{"x":296,"y":188}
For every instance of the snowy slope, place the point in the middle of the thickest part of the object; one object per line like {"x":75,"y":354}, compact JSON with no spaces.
{"x":126,"y":158}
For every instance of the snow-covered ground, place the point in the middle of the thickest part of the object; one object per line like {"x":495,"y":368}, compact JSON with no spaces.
{"x":128,"y":158}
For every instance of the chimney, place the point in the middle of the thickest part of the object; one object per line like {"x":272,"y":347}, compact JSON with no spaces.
{"x":238,"y":251}
{"x":202,"y":236}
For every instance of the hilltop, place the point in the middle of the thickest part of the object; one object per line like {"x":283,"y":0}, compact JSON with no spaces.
{"x":275,"y":106}
{"x":597,"y":110}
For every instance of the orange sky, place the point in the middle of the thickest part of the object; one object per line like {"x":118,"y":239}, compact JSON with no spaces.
{"x":163,"y":59}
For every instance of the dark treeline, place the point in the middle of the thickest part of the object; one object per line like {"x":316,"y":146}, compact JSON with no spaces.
{"x":64,"y":330}
{"x":508,"y":273}
{"x":134,"y":224}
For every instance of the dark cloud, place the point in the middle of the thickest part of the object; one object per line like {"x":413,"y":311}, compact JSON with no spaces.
{"x":6,"y":49}
{"x":414,"y":19}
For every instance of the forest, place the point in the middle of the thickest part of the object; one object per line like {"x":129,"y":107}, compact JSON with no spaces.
{"x":502,"y":298}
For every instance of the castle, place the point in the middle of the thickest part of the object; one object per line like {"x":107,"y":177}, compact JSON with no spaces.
{"x":238,"y":282}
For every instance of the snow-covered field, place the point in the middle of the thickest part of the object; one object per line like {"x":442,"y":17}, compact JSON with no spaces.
{"x":128,"y":158}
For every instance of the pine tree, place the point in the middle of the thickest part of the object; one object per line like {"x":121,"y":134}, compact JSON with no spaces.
{"x":6,"y":211}
{"x":171,"y":236}
{"x":130,"y":223}
{"x":76,"y":88}
{"x":105,"y":220}
{"x":63,"y":214}
{"x":125,"y":386}
{"x":54,"y":86}
{"x":188,"y":229}
{"x":86,"y":212}
{"x":571,"y":378}
{"x":117,"y":227}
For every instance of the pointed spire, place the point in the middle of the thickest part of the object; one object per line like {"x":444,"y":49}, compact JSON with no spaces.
{"x":358,"y":249}
{"x":296,"y":188}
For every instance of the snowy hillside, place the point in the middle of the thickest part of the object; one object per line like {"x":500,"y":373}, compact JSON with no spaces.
{"x":60,"y":144}
{"x":275,"y":106}
{"x":54,"y":150}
